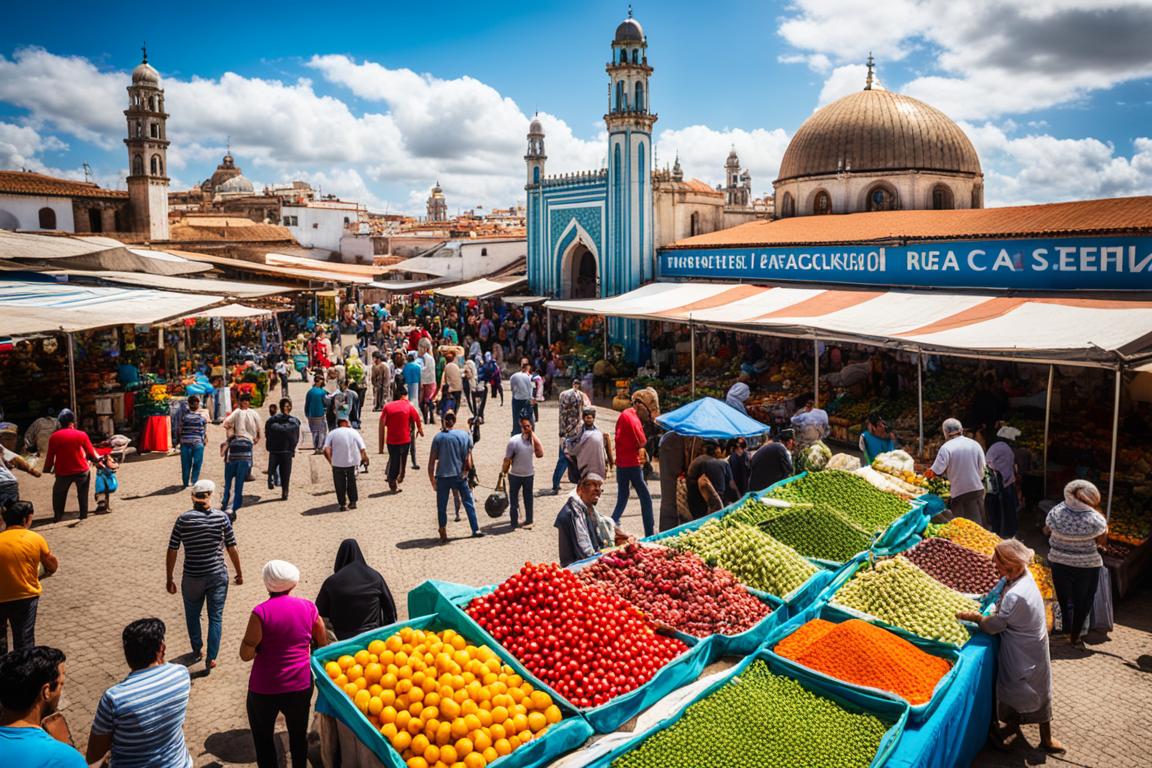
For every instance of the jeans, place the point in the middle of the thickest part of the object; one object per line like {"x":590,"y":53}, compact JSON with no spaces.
{"x":561,"y":467}
{"x":280,"y":468}
{"x":9,"y":492}
{"x":344,"y":478}
{"x":518,"y":486}
{"x":521,"y":409}
{"x":444,"y":487}
{"x":195,"y":590}
{"x":262,"y":711}
{"x":235,"y":473}
{"x":1075,"y":593}
{"x":633,"y":476}
{"x":191,"y":459}
{"x":480,"y":399}
{"x":318,"y":426}
{"x":397,"y":452}
{"x":21,"y":616}
{"x":60,"y":493}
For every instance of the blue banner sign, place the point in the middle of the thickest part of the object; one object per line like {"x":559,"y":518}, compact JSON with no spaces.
{"x":1103,"y":263}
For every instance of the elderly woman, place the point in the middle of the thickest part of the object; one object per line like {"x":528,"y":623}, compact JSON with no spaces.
{"x":279,"y":639}
{"x":1074,"y":530}
{"x":1024,"y":676}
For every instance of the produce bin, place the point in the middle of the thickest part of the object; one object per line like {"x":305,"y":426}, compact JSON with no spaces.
{"x":571,"y":732}
{"x":850,"y":698}
{"x":605,"y":718}
{"x":916,"y":712}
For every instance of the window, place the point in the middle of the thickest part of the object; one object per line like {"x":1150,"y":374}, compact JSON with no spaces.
{"x":47,"y":218}
{"x":977,"y":196}
{"x":157,"y":166}
{"x":139,"y":130}
{"x":95,"y":221}
{"x":822,"y":204}
{"x":942,"y":198}
{"x":639,"y":97}
{"x":881,"y":198}
{"x":483,"y":251}
{"x":154,"y":104}
{"x":788,"y":206}
{"x":635,"y":55}
{"x":694,"y":224}
{"x":619,"y":96}
{"x":155,"y":128}
{"x":137,"y":165}
{"x":346,"y":221}
{"x":290,"y":221}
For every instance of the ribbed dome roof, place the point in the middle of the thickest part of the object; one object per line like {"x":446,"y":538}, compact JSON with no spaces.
{"x":144,"y":73}
{"x":535,"y":127}
{"x":629,"y":31}
{"x":239,"y":183}
{"x":876,"y":131}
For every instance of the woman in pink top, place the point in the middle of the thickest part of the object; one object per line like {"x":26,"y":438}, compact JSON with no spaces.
{"x":279,"y":638}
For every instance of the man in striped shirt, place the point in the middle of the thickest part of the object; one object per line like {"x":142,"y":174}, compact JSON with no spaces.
{"x":141,"y":718}
{"x":205,"y":533}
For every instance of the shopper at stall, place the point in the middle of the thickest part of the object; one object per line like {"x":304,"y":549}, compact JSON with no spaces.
{"x":31,"y":686}
{"x":69,"y":453}
{"x":449,"y":462}
{"x":283,"y":435}
{"x":875,"y":439}
{"x":811,"y":424}
{"x":471,"y":381}
{"x":345,"y":450}
{"x":772,"y":461}
{"x":572,"y":403}
{"x":631,"y":456}
{"x":9,"y":485}
{"x":243,"y":431}
{"x":381,"y":378}
{"x":281,"y":633}
{"x":193,"y":436}
{"x":315,"y":406}
{"x":205,"y":533}
{"x":740,"y":463}
{"x":706,"y":478}
{"x":22,"y":553}
{"x":36,"y":438}
{"x":519,"y":465}
{"x":961,"y":460}
{"x":1075,"y":529}
{"x":583,"y":531}
{"x":1002,"y":507}
{"x":397,"y":421}
{"x":1024,"y":671}
{"x":355,"y":598}
{"x":590,"y":452}
{"x":140,"y":720}
{"x":739,"y":393}
{"x":520,"y":385}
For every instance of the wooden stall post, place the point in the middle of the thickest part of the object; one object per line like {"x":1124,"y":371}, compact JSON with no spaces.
{"x":1115,"y":440}
{"x":1047,"y":423}
{"x":72,"y":372}
{"x":692,"y":353}
{"x":920,"y":394}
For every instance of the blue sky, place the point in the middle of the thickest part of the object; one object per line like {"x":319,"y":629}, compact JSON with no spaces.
{"x":376,"y":103}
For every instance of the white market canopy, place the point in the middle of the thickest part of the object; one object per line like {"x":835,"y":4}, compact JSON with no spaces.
{"x":483,"y":288}
{"x":236,"y":288}
{"x":1053,"y":328}
{"x":94,"y":253}
{"x":232,"y":311}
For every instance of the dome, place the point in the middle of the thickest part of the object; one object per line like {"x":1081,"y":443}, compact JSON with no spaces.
{"x":629,"y":31}
{"x":236,"y":184}
{"x":877,"y":131}
{"x":536,"y":127}
{"x":144,"y":73}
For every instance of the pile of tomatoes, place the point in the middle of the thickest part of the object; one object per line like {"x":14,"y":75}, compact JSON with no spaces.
{"x":588,"y":645}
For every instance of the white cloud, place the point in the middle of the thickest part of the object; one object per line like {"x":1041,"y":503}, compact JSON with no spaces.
{"x":702,"y":151}
{"x":66,"y":92}
{"x":19,"y":145}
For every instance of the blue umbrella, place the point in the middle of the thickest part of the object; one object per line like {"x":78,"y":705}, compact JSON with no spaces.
{"x":712,"y":418}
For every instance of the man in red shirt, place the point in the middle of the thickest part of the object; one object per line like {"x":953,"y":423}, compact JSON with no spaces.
{"x":69,"y":451}
{"x":631,"y":456}
{"x":396,"y":422}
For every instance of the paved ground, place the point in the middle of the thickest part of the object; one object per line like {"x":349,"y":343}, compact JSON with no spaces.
{"x":112,"y":572}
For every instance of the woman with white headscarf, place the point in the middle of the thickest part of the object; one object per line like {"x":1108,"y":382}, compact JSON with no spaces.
{"x":738,"y":394}
{"x":1075,"y":529}
{"x":281,"y":633}
{"x":1024,"y":671}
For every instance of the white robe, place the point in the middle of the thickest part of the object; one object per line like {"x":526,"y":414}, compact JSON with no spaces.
{"x":1024,"y":677}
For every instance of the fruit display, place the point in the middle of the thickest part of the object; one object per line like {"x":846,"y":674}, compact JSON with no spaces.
{"x":1117,"y":549}
{"x":974,"y":537}
{"x":852,"y":496}
{"x":820,"y":532}
{"x":813,"y":458}
{"x":954,"y":566}
{"x":1131,"y":520}
{"x":760,"y":719}
{"x":890,"y":483}
{"x":677,"y":589}
{"x":589,"y":645}
{"x":755,"y":558}
{"x":440,"y":700}
{"x":863,"y":654}
{"x":898,"y":593}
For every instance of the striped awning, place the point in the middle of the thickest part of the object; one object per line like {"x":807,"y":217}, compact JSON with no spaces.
{"x":1061,"y":328}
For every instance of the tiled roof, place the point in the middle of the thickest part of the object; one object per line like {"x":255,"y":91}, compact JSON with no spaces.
{"x":1115,"y":215}
{"x":222,"y":229}
{"x":27,"y":183}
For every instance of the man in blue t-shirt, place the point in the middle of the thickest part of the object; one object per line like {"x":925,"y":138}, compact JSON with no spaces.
{"x":315,"y":405}
{"x":448,"y":466}
{"x":31,"y":683}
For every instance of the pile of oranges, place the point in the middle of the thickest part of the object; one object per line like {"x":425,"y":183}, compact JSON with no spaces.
{"x":442,"y":702}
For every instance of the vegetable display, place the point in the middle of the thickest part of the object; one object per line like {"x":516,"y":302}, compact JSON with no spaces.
{"x":755,"y":558}
{"x":973,"y":536}
{"x":762,"y":720}
{"x":439,"y":699}
{"x":897,"y":592}
{"x":820,"y":532}
{"x":677,"y":589}
{"x":863,"y":654}
{"x":954,"y":566}
{"x":813,"y":458}
{"x":586,"y":643}
{"x":869,"y":508}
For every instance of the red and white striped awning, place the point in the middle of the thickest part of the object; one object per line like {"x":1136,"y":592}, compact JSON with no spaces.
{"x":1060,"y":328}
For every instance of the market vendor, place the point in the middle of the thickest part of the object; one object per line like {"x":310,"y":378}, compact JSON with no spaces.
{"x":707,"y":481}
{"x":739,"y":393}
{"x":876,"y":439}
{"x":1024,"y":671}
{"x":36,"y":438}
{"x":772,"y":461}
{"x":961,"y":460}
{"x":811,"y":424}
{"x":582,"y":530}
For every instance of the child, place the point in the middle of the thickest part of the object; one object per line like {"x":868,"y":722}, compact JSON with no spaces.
{"x":106,"y":483}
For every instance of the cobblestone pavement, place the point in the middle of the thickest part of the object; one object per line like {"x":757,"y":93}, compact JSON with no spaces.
{"x":112,"y":572}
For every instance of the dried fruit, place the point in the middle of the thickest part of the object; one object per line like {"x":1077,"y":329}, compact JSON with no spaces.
{"x":954,"y":566}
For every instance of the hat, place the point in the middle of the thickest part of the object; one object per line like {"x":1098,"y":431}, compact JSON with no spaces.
{"x":203,"y":486}
{"x":1008,"y":433}
{"x":588,"y":410}
{"x":344,"y":414}
{"x":785,"y":435}
{"x":280,"y":575}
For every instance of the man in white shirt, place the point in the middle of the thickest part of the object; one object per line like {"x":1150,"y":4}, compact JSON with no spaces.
{"x":961,"y":460}
{"x":519,"y":466}
{"x":345,"y":450}
{"x":521,"y":386}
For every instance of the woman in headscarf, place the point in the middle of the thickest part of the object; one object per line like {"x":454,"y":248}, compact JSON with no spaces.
{"x":1074,"y":529}
{"x":355,"y":598}
{"x":1024,"y":671}
{"x":738,"y":394}
{"x":280,"y":635}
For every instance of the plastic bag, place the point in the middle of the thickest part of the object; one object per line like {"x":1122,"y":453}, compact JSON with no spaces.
{"x":844,"y":461}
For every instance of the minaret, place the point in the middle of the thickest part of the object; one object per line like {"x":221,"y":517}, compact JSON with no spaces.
{"x":534,"y":160}
{"x":535,"y":156}
{"x":732,"y":177}
{"x":630,"y":258}
{"x":147,"y":153}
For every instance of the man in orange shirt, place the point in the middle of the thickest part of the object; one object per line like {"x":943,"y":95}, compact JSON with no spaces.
{"x":22,"y":552}
{"x":69,"y":451}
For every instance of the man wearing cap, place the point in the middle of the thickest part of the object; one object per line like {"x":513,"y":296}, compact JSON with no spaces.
{"x":772,"y":461}
{"x":205,"y":532}
{"x":449,"y":461}
{"x":346,"y":451}
{"x":69,"y":451}
{"x":961,"y":460}
{"x":1002,"y":508}
{"x":572,"y":403}
{"x":581,"y":529}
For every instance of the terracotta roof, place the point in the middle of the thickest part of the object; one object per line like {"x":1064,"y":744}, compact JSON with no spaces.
{"x":27,"y":183}
{"x":1115,"y":215}
{"x":691,"y":185}
{"x":223,"y":229}
{"x":876,"y":130}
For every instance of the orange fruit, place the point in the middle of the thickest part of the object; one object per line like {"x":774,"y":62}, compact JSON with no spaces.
{"x":388,"y":730}
{"x":415,"y":708}
{"x":388,"y":696}
{"x":553,"y":714}
{"x":341,"y":681}
{"x":373,"y":672}
{"x":443,"y":733}
{"x":499,"y":714}
{"x":355,"y":671}
{"x":429,"y":713}
{"x":449,"y":708}
{"x":402,"y":718}
{"x":375,"y":689}
{"x":376,"y":647}
{"x":415,"y":726}
{"x":448,"y":754}
{"x":502,"y":747}
{"x":432,"y":754}
{"x":474,"y":760}
{"x":463,"y":747}
{"x":497,"y":732}
{"x":481,"y":740}
{"x":362,"y":657}
{"x":472,"y":722}
{"x":401,"y":741}
{"x":333,"y":670}
{"x":491,"y":755}
{"x":537,"y":721}
{"x":417,"y":762}
{"x":351,"y":690}
{"x":361,"y":684}
{"x":375,"y":706}
{"x":459,"y":728}
{"x":419,"y":744}
{"x":540,"y":700}
{"x":393,"y":643}
{"x":345,"y":661}
{"x":388,"y":714}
